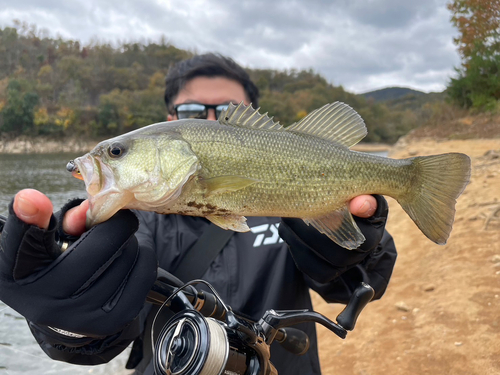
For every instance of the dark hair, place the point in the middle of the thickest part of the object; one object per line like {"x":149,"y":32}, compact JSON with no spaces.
{"x":207,"y":65}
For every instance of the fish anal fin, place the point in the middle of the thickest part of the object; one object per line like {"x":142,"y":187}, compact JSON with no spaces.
{"x":230,"y":222}
{"x":336,"y":122}
{"x":340,"y":227}
{"x":224,"y":184}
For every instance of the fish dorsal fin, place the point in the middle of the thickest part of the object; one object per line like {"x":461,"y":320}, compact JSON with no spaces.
{"x":246,"y":116}
{"x":336,"y":122}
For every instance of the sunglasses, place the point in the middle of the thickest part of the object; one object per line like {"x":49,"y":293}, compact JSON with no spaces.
{"x":197,"y":110}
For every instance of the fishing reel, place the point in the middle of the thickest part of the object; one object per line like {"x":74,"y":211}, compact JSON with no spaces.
{"x":205,"y":337}
{"x":192,"y":344}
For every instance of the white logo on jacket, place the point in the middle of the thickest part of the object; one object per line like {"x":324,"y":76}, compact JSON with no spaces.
{"x":264,"y":238}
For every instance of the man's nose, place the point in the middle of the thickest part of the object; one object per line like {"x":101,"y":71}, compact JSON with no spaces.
{"x":211,"y":115}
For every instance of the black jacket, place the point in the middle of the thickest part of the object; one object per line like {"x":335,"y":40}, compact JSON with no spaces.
{"x":253,"y":273}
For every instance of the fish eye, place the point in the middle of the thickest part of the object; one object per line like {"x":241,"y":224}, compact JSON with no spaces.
{"x":116,"y":150}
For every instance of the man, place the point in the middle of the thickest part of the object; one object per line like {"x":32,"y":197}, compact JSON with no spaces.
{"x":87,"y":305}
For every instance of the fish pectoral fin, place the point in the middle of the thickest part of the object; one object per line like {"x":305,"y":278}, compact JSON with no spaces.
{"x":225,"y":184}
{"x":230,"y":222}
{"x":340,"y":227}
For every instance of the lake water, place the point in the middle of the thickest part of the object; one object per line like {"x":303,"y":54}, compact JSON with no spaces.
{"x":19,"y":352}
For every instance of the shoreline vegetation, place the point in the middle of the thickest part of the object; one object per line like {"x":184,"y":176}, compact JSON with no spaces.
{"x":457,"y":125}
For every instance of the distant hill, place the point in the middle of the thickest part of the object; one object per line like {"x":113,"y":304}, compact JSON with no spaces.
{"x":391,"y":93}
{"x":402,"y":98}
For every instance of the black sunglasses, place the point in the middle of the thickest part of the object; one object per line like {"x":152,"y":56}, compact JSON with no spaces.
{"x":197,"y":110}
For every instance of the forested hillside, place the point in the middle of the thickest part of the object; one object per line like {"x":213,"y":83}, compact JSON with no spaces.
{"x":59,"y":87}
{"x":391,"y":93}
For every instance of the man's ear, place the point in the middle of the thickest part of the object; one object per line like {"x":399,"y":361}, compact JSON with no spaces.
{"x":170,"y":117}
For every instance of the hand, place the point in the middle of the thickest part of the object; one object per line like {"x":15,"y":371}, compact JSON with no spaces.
{"x":95,"y":288}
{"x":35,"y":208}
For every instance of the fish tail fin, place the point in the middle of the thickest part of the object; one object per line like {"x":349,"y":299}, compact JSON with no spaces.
{"x":437,"y":183}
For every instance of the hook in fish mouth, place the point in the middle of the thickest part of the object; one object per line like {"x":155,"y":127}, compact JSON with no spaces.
{"x":71,"y":167}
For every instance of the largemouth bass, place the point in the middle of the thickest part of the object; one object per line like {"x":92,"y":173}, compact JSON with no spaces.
{"x":245,"y":164}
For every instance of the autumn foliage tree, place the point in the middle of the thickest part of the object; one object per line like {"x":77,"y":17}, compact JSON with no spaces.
{"x":478,"y":81}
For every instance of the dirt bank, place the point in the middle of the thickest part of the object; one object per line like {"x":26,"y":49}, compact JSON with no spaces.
{"x":441,"y":312}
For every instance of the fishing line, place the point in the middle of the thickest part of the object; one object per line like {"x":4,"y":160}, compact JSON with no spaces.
{"x":174,"y":293}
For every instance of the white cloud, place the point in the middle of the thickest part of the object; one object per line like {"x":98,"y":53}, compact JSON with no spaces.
{"x":361,"y":45}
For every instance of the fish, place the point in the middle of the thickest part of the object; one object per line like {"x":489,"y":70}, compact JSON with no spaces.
{"x":246,"y":164}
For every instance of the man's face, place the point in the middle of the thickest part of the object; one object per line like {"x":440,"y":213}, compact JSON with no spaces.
{"x":210,"y":90}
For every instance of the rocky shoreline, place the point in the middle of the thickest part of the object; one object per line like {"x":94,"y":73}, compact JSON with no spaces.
{"x":45,"y":145}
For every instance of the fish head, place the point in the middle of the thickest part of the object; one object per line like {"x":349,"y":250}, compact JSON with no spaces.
{"x":142,"y":172}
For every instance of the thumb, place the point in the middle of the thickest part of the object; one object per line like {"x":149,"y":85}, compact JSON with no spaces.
{"x":27,"y":242}
{"x":33,"y":208}
{"x":363,"y":206}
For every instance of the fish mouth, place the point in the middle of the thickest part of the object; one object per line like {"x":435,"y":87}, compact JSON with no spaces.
{"x":105,"y":198}
{"x":96,"y":175}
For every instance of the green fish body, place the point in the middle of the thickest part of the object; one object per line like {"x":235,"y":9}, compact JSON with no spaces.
{"x":245,"y":164}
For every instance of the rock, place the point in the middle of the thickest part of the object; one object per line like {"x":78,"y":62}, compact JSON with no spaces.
{"x":496,"y":258}
{"x":492,"y":154}
{"x":428,"y":287}
{"x":402,"y":306}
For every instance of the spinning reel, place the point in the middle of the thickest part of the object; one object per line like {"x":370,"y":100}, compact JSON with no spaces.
{"x":205,"y":337}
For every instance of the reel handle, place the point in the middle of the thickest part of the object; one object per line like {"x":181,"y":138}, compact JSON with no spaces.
{"x":359,"y":299}
{"x":274,"y":320}
{"x":293,"y":340}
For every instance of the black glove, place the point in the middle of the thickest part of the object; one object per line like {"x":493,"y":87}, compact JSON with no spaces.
{"x":95,"y":288}
{"x":319,"y":257}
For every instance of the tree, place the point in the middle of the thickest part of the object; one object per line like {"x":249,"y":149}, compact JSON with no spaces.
{"x":478,"y":22}
{"x":18,"y":112}
{"x":477,"y":84}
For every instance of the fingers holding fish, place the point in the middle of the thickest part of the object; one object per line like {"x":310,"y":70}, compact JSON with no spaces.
{"x":75,"y":218}
{"x":363,"y":206}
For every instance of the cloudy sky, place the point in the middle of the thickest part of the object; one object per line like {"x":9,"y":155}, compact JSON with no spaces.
{"x":360,"y":44}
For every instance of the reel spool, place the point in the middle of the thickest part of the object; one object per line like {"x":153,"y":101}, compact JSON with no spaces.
{"x":190,"y":344}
